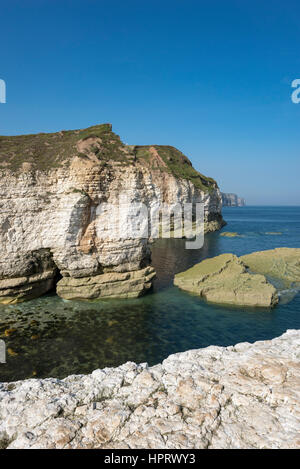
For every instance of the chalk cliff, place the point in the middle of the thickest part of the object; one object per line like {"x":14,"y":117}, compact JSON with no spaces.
{"x":54,"y":226}
{"x":232,"y":200}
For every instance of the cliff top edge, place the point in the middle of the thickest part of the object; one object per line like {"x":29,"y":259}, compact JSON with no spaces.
{"x":99,"y":144}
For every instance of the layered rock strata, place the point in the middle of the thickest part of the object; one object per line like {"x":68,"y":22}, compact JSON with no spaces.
{"x":56,"y":217}
{"x":232,"y":200}
{"x":109,"y":285}
{"x":224,"y":279}
{"x":280,"y":264}
{"x":244,"y":396}
{"x":245,"y":281}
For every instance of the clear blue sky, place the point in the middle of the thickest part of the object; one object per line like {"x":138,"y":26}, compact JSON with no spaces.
{"x":212,"y":78}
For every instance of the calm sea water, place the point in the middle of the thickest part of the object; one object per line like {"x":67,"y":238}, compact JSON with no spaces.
{"x":56,"y":338}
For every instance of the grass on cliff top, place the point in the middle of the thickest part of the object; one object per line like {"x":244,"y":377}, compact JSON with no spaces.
{"x":52,"y":150}
{"x":175,"y":163}
{"x":46,"y":151}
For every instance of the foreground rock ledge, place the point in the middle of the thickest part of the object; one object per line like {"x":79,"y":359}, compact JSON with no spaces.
{"x":243,"y":396}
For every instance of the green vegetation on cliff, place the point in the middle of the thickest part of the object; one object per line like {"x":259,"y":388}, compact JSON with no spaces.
{"x":51,"y":150}
{"x":45,"y":151}
{"x":173,"y":161}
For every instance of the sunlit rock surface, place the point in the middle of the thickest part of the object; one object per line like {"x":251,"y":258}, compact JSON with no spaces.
{"x":224,"y":279}
{"x":56,"y":194}
{"x":243,"y":396}
{"x":282,"y":264}
{"x":109,"y":285}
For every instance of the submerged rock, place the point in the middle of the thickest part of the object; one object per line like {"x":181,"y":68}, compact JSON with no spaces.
{"x":273,"y":233}
{"x":229,"y":234}
{"x":239,"y":397}
{"x":224,"y":279}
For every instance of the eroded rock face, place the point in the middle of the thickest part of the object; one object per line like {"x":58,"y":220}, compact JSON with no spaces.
{"x":224,"y":279}
{"x":232,"y":200}
{"x":243,"y":396}
{"x":52,"y":191}
{"x":37,"y":272}
{"x":110,"y":285}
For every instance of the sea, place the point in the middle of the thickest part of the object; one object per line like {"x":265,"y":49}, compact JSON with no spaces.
{"x":51,"y":337}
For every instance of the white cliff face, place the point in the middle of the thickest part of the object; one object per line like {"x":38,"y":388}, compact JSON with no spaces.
{"x":243,"y":396}
{"x":53,"y":220}
{"x":232,"y":200}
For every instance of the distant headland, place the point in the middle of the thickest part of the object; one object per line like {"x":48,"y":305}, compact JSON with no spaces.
{"x":232,"y":200}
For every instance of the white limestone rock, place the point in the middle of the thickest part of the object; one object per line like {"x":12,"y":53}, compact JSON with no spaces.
{"x":243,"y":396}
{"x":51,"y":207}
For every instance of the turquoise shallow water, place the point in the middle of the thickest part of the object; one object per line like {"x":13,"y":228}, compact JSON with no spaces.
{"x":56,"y":338}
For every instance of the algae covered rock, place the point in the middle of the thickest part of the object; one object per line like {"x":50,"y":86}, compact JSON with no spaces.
{"x":244,"y":281}
{"x":281,"y":264}
{"x":224,"y":279}
{"x":61,"y":196}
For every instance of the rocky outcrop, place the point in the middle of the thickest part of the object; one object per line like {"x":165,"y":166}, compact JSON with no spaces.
{"x":243,"y":396}
{"x":232,"y":200}
{"x":224,"y":279}
{"x":109,"y":285}
{"x":56,"y":218}
{"x":244,"y":281}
